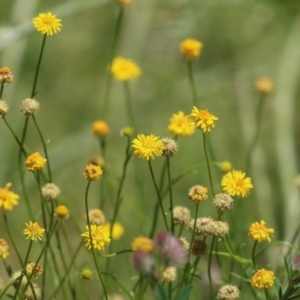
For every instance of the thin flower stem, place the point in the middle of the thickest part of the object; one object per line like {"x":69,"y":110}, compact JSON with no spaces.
{"x":192,"y":83}
{"x":91,"y":238}
{"x":2,"y":292}
{"x":171,"y":195}
{"x":209,"y":267}
{"x":1,"y":89}
{"x":44,"y":147}
{"x":158,"y":195}
{"x":253,"y":256}
{"x":208,"y":165}
{"x":113,"y":51}
{"x":38,"y":180}
{"x":102,"y":142}
{"x":194,"y":232}
{"x":129,"y":106}
{"x":28,"y":252}
{"x":33,"y":92}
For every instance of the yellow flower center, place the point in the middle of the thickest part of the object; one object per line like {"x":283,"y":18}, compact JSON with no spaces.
{"x":47,"y":20}
{"x":149,"y":143}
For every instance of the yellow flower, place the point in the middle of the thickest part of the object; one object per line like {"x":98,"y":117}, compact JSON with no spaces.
{"x":147,"y":147}
{"x":92,"y":172}
{"x":235,"y":183}
{"x":100,"y":237}
{"x":100,"y":128}
{"x":33,"y":231}
{"x":35,"y":269}
{"x":62,"y":212}
{"x":225,"y":166}
{"x":203,"y":119}
{"x":118,"y":230}
{"x":127,"y":131}
{"x":198,"y":193}
{"x":191,"y":48}
{"x":264,"y":85}
{"x":259,"y":232}
{"x":181,"y":125}
{"x":46,"y":23}
{"x":6,"y":75}
{"x":35,"y":162}
{"x":124,"y":69}
{"x":8,"y":199}
{"x":263,"y":279}
{"x":125,"y":2}
{"x":86,"y":274}
{"x":4,"y":249}
{"x":143,"y":244}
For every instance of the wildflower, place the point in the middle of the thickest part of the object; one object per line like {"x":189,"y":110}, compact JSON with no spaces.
{"x":219,"y":228}
{"x":33,"y":268}
{"x":169,"y":275}
{"x":50,"y":191}
{"x":100,"y":128}
{"x":33,"y":231}
{"x":115,"y":297}
{"x":29,"y":107}
{"x":223,"y":202}
{"x":259,"y":232}
{"x":203,"y":119}
{"x":142,"y":262}
{"x":225,"y":166}
{"x":170,"y":249}
{"x":15,"y":278}
{"x":61,"y":212}
{"x":46,"y":23}
{"x":147,"y":147}
{"x":4,"y":249}
{"x":92,"y":172}
{"x":125,"y":2}
{"x":118,"y":230}
{"x":203,"y":226}
{"x":198,"y":193}
{"x":6,"y":76}
{"x":3,"y":108}
{"x":35,"y":162}
{"x":100,"y":237}
{"x":264,"y":85}
{"x":235,"y":183}
{"x":263,"y":279}
{"x":185,"y":244}
{"x":228,"y":292}
{"x":8,"y":199}
{"x":29,"y":295}
{"x":143,"y":244}
{"x":199,"y":247}
{"x":127,"y":131}
{"x":96,"y":217}
{"x":181,"y":125}
{"x":181,"y":215}
{"x":191,"y":48}
{"x":170,"y":147}
{"x":124,"y":69}
{"x":86,"y":274}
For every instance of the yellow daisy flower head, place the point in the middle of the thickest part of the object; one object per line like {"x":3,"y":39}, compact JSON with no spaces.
{"x":181,"y":125}
{"x":147,"y":146}
{"x":100,"y":237}
{"x":118,"y":230}
{"x":33,"y":231}
{"x":8,"y":199}
{"x":125,"y":2}
{"x":198,"y":193}
{"x":100,"y":128}
{"x":124,"y":69}
{"x":46,"y":23}
{"x":191,"y":48}
{"x":6,"y":76}
{"x":61,"y":212}
{"x":35,"y":162}
{"x":264,"y":85}
{"x":259,"y":232}
{"x":263,"y":279}
{"x":235,"y":183}
{"x":93,"y":172}
{"x":203,"y":119}
{"x":86,"y":274}
{"x":143,"y":244}
{"x":4,"y":249}
{"x":127,"y":131}
{"x":34,"y":268}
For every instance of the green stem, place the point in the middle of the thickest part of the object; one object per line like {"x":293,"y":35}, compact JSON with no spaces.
{"x":194,"y":232}
{"x":208,"y":165}
{"x":1,"y":89}
{"x":91,"y":238}
{"x":253,"y":256}
{"x":129,"y":106}
{"x":33,"y":92}
{"x":158,"y":195}
{"x":209,"y":267}
{"x":192,"y":83}
{"x":171,"y":195}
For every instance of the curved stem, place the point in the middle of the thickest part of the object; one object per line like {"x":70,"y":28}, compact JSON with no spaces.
{"x":208,"y":165}
{"x":171,"y":195}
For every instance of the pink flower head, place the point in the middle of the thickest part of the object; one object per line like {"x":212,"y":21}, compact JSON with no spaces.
{"x":142,"y":262}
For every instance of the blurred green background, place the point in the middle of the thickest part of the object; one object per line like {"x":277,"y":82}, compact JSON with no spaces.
{"x":242,"y":40}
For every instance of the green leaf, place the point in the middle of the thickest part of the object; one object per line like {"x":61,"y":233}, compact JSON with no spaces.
{"x":277,"y":288}
{"x":184,"y":293}
{"x":287,"y":265}
{"x":160,"y":293}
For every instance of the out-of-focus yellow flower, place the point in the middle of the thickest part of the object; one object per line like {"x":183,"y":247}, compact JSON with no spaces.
{"x":8,"y":199}
{"x":100,"y":128}
{"x":181,"y":125}
{"x":118,"y":230}
{"x":264,"y":85}
{"x":4,"y":249}
{"x":191,"y":48}
{"x":124,"y":69}
{"x":35,"y":162}
{"x":143,"y":244}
